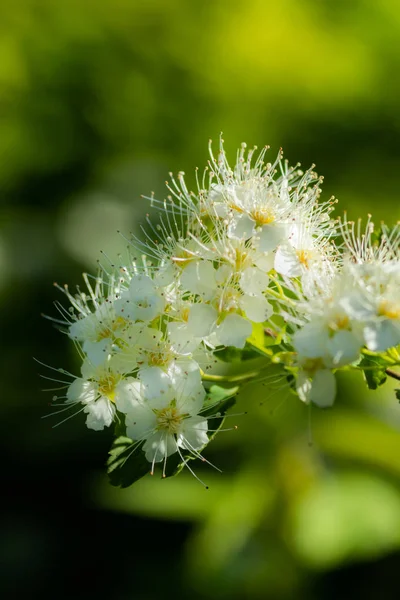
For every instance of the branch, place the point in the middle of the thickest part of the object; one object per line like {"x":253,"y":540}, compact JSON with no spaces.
{"x":393,"y":374}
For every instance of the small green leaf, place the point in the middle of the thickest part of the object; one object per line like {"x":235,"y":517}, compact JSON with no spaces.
{"x":397,"y":392}
{"x":126,"y":463}
{"x":217,"y":398}
{"x":230,"y":354}
{"x":374,"y":368}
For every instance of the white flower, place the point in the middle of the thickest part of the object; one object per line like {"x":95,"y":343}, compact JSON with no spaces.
{"x":374,"y":302}
{"x":98,"y":390}
{"x":164,"y":414}
{"x":98,"y":331}
{"x":143,"y":301}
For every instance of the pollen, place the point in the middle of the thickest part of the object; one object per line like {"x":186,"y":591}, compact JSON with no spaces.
{"x":262,"y":216}
{"x":242,"y":259}
{"x":312,"y":365}
{"x":106,"y":385}
{"x":169,"y":419}
{"x":110,"y":330}
{"x":182,"y":259}
{"x":388,"y":309}
{"x":304,"y":257}
{"x":159,"y":359}
{"x":340,"y":322}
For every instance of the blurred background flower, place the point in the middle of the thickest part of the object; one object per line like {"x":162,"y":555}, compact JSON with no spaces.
{"x":99,"y":101}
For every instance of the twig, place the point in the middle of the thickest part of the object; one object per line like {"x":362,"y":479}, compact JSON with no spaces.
{"x":393,"y":374}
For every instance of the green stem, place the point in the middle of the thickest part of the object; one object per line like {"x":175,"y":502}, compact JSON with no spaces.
{"x":283,"y":298}
{"x":229,"y":378}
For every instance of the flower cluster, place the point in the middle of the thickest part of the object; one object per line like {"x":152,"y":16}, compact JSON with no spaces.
{"x":254,"y":247}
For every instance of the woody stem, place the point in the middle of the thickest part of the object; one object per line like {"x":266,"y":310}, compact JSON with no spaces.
{"x":393,"y":374}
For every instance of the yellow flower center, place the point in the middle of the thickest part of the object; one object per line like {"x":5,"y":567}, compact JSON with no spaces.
{"x":185,"y":314}
{"x":235,"y":207}
{"x":169,"y":419}
{"x":339,"y":322}
{"x":106,"y":385}
{"x":108,"y":331}
{"x":262,"y":216}
{"x":304,"y":257}
{"x":389,"y":310}
{"x":182,"y":258}
{"x":242,"y":259}
{"x":312,"y":365}
{"x":159,"y":359}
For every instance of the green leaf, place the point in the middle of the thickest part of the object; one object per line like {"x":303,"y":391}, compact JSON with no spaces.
{"x":397,"y":392}
{"x":126,"y":463}
{"x":230,"y":354}
{"x":218,"y":401}
{"x":374,"y":368}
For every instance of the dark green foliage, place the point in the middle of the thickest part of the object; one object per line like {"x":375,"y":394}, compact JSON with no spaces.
{"x":126,"y":463}
{"x":374,"y":370}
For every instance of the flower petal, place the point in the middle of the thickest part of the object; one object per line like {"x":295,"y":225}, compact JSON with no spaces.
{"x":81,"y":390}
{"x":141,"y":422}
{"x":158,"y":388}
{"x":344,"y":348}
{"x":381,"y":335}
{"x":323,"y":390}
{"x":253,"y":281}
{"x":100,"y":414}
{"x":159,"y":446}
{"x":193,"y":435}
{"x":234,"y":331}
{"x":128,"y":393}
{"x":256,"y":308}
{"x":202,"y":318}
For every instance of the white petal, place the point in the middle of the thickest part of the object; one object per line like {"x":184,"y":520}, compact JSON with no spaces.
{"x":356,"y":306}
{"x":128,"y":393}
{"x":323,"y":390}
{"x":142,"y":306}
{"x":97,"y":352}
{"x":165,"y":275}
{"x":158,"y":388}
{"x":199,"y":278}
{"x":202,"y":318}
{"x":141,"y":422}
{"x":190,"y":393}
{"x":85,"y":328}
{"x":100,"y":414}
{"x":159,"y":446}
{"x":311,"y":340}
{"x":256,"y":308}
{"x":270,"y":236}
{"x":344,"y":348}
{"x":287,"y":262}
{"x":253,"y":281}
{"x":81,"y":390}
{"x":381,"y":335}
{"x":234,"y":331}
{"x":141,"y":285}
{"x":241,"y":227}
{"x":264,"y":261}
{"x":181,"y":339}
{"x":303,"y":386}
{"x":194,"y":433}
{"x":223,"y":274}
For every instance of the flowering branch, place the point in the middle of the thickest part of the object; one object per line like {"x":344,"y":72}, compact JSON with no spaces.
{"x":250,"y":264}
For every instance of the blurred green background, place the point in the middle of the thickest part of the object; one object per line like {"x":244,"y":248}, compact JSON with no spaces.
{"x":99,"y":100}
